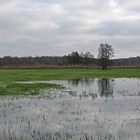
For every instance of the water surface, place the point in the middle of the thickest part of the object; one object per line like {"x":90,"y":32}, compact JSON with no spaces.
{"x":87,"y":109}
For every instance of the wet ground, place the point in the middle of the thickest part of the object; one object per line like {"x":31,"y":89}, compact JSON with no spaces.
{"x":87,"y":109}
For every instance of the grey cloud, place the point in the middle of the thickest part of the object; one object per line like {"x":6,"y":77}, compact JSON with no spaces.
{"x":120,"y":28}
{"x":129,"y":5}
{"x":57,"y":27}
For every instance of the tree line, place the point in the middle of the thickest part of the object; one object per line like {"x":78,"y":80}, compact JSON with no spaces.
{"x":104,"y":59}
{"x":74,"y":58}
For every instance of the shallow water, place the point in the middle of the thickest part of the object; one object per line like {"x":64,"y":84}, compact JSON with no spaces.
{"x":87,"y":109}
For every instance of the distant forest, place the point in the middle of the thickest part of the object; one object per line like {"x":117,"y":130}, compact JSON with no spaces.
{"x":73,"y":59}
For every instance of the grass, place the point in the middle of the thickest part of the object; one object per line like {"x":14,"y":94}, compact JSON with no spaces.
{"x":24,"y":88}
{"x":9,"y":76}
{"x":12,"y":75}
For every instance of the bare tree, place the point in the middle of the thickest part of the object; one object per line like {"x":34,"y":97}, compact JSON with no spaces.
{"x":105,"y":53}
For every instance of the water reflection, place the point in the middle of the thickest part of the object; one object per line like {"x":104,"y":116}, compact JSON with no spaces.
{"x":82,"y":81}
{"x":105,"y":87}
{"x":61,"y":115}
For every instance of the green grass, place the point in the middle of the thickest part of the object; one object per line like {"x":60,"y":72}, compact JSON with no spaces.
{"x":9,"y":76}
{"x":24,"y":88}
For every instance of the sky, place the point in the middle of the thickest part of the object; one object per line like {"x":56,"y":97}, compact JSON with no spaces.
{"x":58,"y":27}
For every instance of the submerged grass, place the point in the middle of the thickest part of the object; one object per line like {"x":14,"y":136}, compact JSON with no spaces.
{"x":25,"y":88}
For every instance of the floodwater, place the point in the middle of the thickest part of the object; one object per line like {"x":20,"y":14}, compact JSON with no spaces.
{"x":87,"y":109}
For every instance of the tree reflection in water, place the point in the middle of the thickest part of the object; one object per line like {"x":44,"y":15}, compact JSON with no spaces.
{"x":105,"y":87}
{"x":82,"y":81}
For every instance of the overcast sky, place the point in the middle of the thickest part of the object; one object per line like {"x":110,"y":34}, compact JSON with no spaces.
{"x":58,"y":27}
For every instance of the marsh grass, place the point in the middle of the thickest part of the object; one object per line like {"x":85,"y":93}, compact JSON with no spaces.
{"x":25,"y":88}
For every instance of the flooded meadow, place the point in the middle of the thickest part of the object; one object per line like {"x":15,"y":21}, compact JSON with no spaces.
{"x":86,"y":109}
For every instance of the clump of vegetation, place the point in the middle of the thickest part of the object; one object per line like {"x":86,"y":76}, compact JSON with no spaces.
{"x":25,"y":88}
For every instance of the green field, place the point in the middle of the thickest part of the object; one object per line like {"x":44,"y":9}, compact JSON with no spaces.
{"x":9,"y":76}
